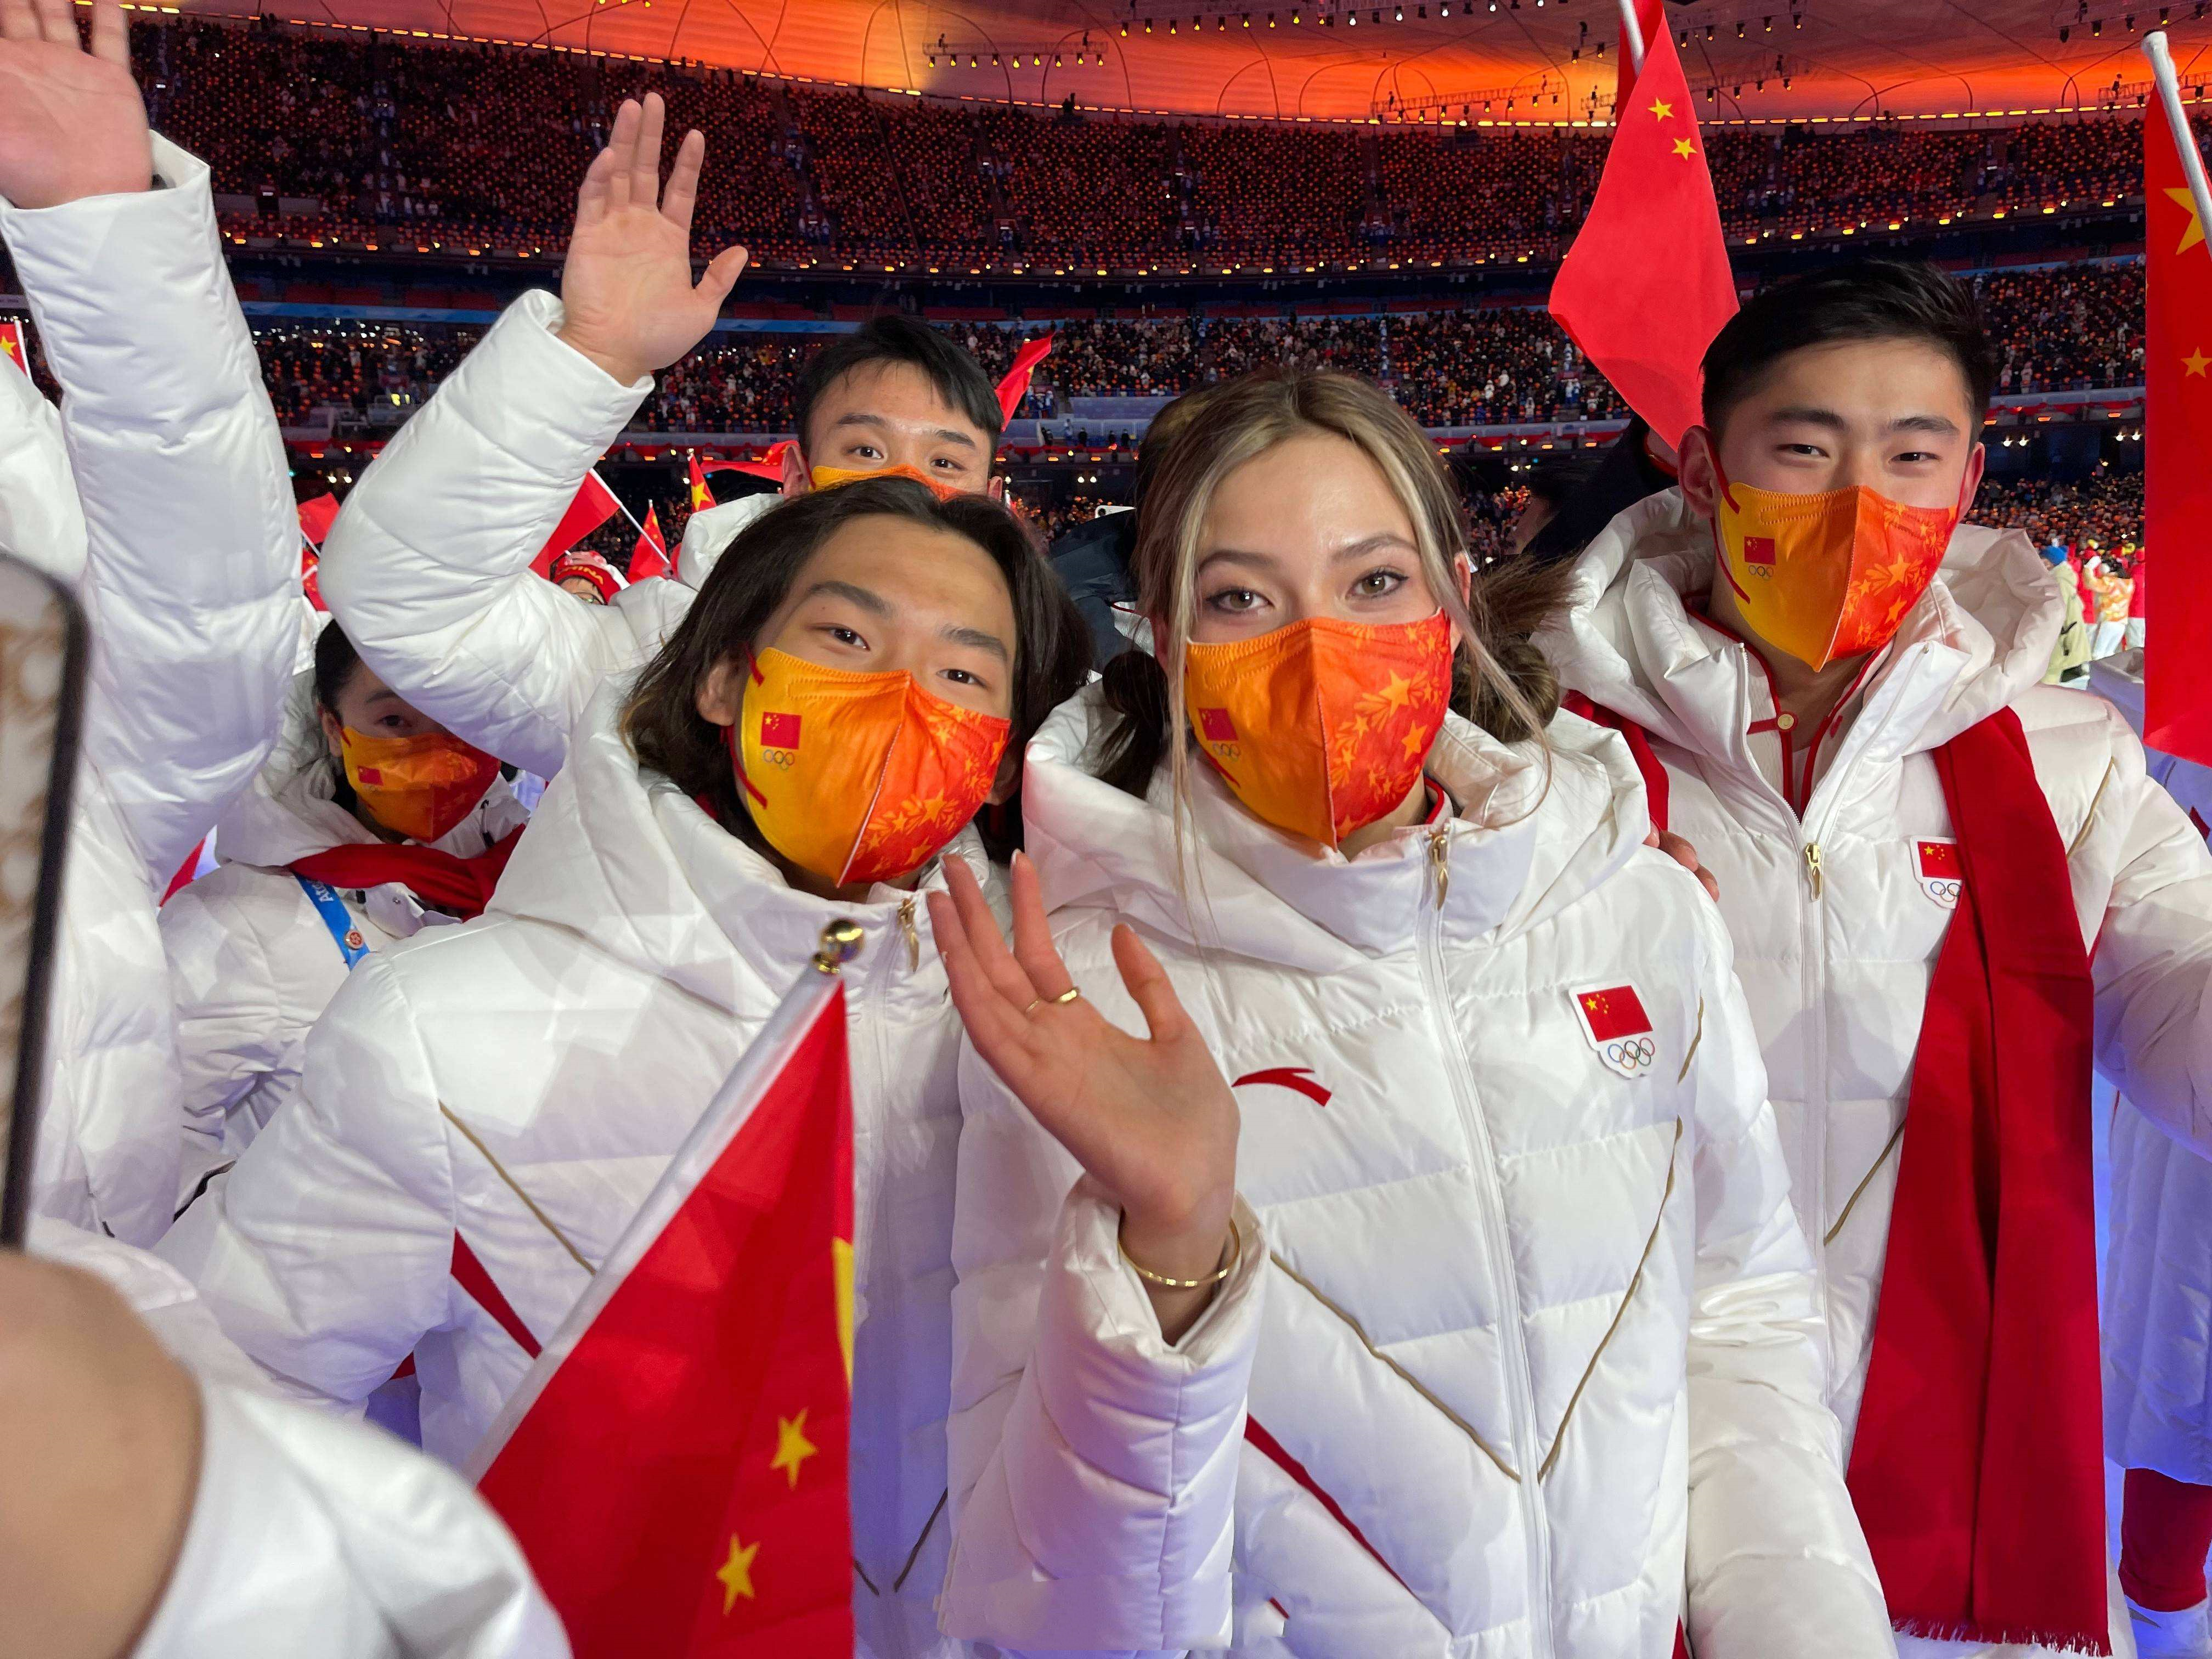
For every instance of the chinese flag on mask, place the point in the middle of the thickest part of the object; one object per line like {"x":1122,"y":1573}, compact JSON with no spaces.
{"x":1646,"y":285}
{"x":593,"y":506}
{"x":650,"y":557}
{"x":674,"y":1464}
{"x":2177,"y":436}
{"x":11,"y":346}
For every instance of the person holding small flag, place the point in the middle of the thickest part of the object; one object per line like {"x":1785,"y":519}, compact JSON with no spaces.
{"x":368,"y":824}
{"x":429,"y":566}
{"x":1952,"y":889}
{"x":1511,"y":1344}
{"x":481,"y":1113}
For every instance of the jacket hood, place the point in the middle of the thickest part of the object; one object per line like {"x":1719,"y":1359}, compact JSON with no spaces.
{"x":1530,"y":839}
{"x":1978,"y":638}
{"x":621,"y":856}
{"x":707,"y":534}
{"x":291,"y":811}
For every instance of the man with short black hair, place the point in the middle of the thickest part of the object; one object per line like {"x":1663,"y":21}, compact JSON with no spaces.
{"x":1833,"y":686}
{"x":895,"y":396}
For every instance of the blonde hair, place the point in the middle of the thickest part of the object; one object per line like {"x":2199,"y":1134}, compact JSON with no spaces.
{"x":1502,"y":681}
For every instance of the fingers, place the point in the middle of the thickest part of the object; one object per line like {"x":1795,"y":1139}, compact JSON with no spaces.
{"x":1149,"y":986}
{"x":17,"y":21}
{"x":593,"y":194}
{"x":110,"y":35}
{"x":55,"y":22}
{"x":1675,"y":848}
{"x":722,"y":273}
{"x":981,"y":928}
{"x":682,"y":195}
{"x":622,"y":146}
{"x":1033,"y":947}
{"x":1001,"y":1035}
{"x":645,"y":159}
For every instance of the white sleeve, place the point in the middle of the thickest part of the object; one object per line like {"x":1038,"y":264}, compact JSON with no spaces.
{"x":310,"y":1535}
{"x":1093,"y":1466}
{"x":228,"y":1025}
{"x":193,"y":549}
{"x":2152,"y":961}
{"x":327,"y":1252}
{"x":427,"y":566}
{"x":1777,"y":1561}
{"x":40,"y":518}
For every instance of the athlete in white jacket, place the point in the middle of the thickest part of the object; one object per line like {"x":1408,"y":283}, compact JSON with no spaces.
{"x":257,"y":951}
{"x":161,"y":1505}
{"x":161,"y":492}
{"x":428,"y":567}
{"x":481,"y":1113}
{"x":1527,"y":1327}
{"x":1823,"y":814}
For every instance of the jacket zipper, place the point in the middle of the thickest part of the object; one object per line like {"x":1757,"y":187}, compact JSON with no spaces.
{"x":912,"y":932}
{"x":1476,"y":1129}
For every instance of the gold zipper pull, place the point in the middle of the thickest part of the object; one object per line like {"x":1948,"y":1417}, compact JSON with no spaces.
{"x":913,"y":934}
{"x":1812,"y":865}
{"x":1440,"y":861}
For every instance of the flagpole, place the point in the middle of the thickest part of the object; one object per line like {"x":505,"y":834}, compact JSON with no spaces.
{"x":2177,"y":119}
{"x":1634,"y":31}
{"x":618,"y":501}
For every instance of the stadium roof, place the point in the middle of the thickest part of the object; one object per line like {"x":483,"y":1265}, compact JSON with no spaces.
{"x":1421,"y":59}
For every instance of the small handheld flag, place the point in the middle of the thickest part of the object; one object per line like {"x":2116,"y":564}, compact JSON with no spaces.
{"x":674,"y":1464}
{"x":12,"y":346}
{"x":1015,"y":384}
{"x":595,"y":504}
{"x":650,"y":557}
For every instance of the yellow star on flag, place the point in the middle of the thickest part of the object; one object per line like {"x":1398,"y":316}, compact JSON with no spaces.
{"x":736,"y":1574}
{"x":1663,"y":110}
{"x":2195,"y":361}
{"x":793,"y":1448}
{"x":2195,"y":233}
{"x":1685,"y":149}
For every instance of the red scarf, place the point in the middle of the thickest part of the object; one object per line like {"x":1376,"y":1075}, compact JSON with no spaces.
{"x":1977,"y":1468}
{"x":459,"y":886}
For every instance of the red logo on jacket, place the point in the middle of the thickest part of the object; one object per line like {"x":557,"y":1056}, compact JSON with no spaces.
{"x":1299,"y":1079}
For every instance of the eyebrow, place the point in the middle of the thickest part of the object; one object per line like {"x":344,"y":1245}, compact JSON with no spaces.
{"x":943,"y":434}
{"x":1799,"y":415}
{"x":977,"y":639}
{"x":1345,"y":554}
{"x":379,"y":695}
{"x":874,"y":604}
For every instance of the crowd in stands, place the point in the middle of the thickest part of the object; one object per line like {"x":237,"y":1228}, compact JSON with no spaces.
{"x":359,"y":140}
{"x":2078,"y":326}
{"x":2104,"y":511}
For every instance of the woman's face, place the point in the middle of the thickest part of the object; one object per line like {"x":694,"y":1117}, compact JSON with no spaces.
{"x":369,"y":706}
{"x":1306,"y":531}
{"x":885,"y":595}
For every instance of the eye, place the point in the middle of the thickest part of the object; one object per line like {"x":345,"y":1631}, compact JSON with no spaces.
{"x":867,"y":453}
{"x":1812,"y":450}
{"x":947,"y":464}
{"x":846,"y":637}
{"x":1917,"y":457}
{"x":1234,"y":601}
{"x":1378,"y":583}
{"x":962,"y":677}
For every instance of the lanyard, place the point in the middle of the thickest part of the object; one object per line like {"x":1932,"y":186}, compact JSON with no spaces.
{"x":336,"y":917}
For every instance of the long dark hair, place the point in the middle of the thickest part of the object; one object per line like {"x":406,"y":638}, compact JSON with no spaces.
{"x":748,"y":585}
{"x":1501,"y":680}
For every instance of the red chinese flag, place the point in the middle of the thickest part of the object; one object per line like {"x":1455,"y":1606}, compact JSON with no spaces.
{"x":674,"y":1465}
{"x":1939,"y":861}
{"x":1015,"y":383}
{"x":12,"y":346}
{"x":2177,"y":437}
{"x":650,"y":557}
{"x":1652,"y":20}
{"x":702,"y":497}
{"x":1646,"y":285}
{"x":317,"y":514}
{"x":769,"y":465}
{"x":594,"y":504}
{"x":1616,"y":1012}
{"x":780,"y":731}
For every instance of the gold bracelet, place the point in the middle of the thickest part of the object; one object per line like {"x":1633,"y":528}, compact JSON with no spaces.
{"x":1234,"y":1249}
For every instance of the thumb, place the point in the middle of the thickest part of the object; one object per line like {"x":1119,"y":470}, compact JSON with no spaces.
{"x":721,"y":273}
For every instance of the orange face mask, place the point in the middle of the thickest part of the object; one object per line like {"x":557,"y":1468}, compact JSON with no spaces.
{"x":1829,"y":574}
{"x":420,"y":786}
{"x":858,"y":777}
{"x":1322,"y":727}
{"x":829,"y":477}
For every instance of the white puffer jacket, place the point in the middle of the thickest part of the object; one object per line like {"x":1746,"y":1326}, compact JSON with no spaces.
{"x":185,"y":552}
{"x":427,"y":566}
{"x":517,"y":1085}
{"x":1539,"y":1344}
{"x":308,"y":1536}
{"x":251,"y":961}
{"x":2158,"y":1266}
{"x":1838,"y":977}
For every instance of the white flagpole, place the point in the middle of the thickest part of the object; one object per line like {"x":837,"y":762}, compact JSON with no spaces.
{"x":618,"y":501}
{"x":2177,"y":118}
{"x":1634,"y":30}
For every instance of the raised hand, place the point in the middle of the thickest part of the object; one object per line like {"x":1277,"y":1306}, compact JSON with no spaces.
{"x":72,"y":123}
{"x":627,"y":288}
{"x":1151,"y":1119}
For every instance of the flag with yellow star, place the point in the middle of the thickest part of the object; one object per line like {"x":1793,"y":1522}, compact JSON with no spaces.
{"x":12,"y":348}
{"x":674,"y":1465}
{"x":1647,"y":285}
{"x":2177,"y":437}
